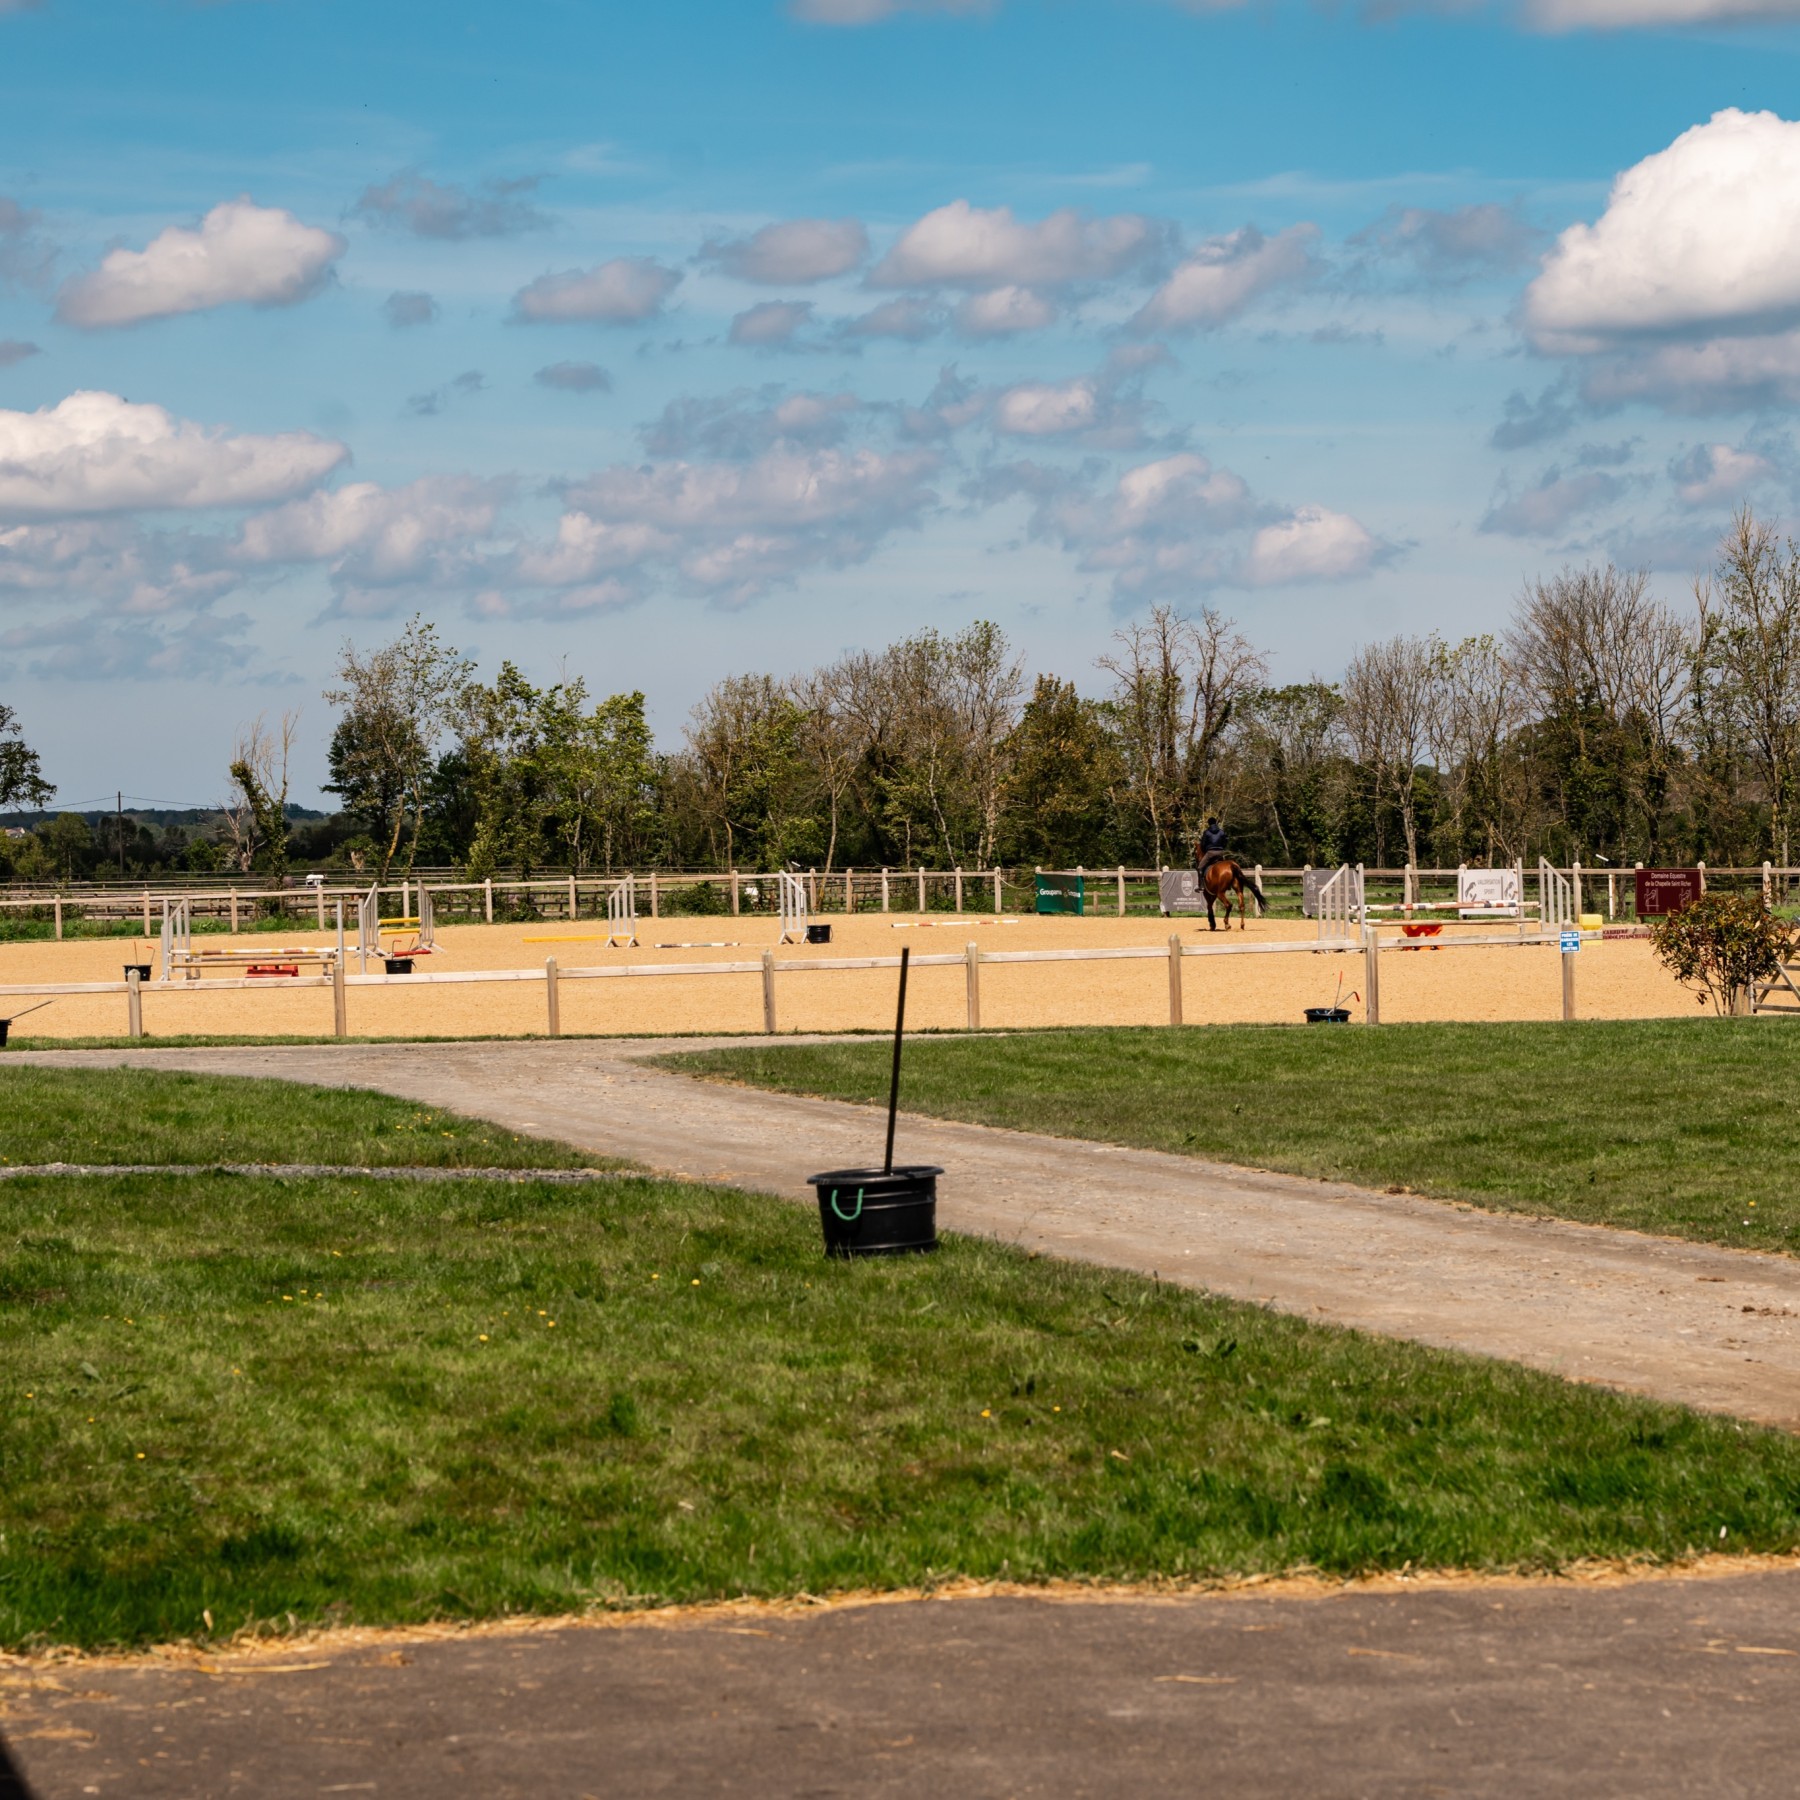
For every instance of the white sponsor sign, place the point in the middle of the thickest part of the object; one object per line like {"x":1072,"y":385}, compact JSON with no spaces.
{"x":1488,"y":891}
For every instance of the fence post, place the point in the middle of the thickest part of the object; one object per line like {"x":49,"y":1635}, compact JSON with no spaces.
{"x":1174,"y":979}
{"x":1612,"y":893}
{"x":1702,"y":867}
{"x":958,"y":906}
{"x":921,"y":887}
{"x":849,"y":892}
{"x":340,"y":1012}
{"x":487,"y":897}
{"x":972,"y":955}
{"x":734,"y":893}
{"x":134,"y":1003}
{"x":1371,"y":974}
{"x":1568,"y":966}
{"x":884,"y":890}
{"x":1121,"y":879}
{"x":322,"y":908}
{"x":654,"y":913}
{"x":234,"y":915}
{"x":769,"y":992}
{"x":571,"y":898}
{"x":57,"y":903}
{"x":1575,"y":883}
{"x":996,"y":893}
{"x":1768,"y":888}
{"x":552,"y":999}
{"x":1409,"y":887}
{"x":318,"y":895}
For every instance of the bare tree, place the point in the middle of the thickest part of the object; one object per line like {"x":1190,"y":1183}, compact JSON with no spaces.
{"x":1750,"y":653}
{"x":831,"y":740}
{"x":1474,"y":720}
{"x":1177,"y":686}
{"x":255,"y":805}
{"x":1391,"y":703}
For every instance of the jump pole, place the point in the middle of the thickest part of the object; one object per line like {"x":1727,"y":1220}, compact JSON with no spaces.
{"x":887,"y":1162}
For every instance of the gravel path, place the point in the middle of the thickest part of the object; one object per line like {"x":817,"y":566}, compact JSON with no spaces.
{"x":1713,"y":1328}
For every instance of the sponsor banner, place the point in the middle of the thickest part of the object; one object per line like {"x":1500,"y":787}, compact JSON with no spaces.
{"x":1180,"y":891}
{"x":1661,"y":891}
{"x":1488,"y":891}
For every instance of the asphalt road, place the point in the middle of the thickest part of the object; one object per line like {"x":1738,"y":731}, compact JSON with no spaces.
{"x":1653,"y":1688}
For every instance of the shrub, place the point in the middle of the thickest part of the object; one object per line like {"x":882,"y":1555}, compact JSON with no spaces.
{"x":1721,"y":945}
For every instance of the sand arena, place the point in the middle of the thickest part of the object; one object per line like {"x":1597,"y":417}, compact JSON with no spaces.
{"x":1615,"y":979}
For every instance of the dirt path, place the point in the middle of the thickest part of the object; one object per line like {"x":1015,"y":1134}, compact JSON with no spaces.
{"x":1713,"y":1328}
{"x":1681,"y":1687}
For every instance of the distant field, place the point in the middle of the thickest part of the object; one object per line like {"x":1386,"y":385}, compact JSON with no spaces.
{"x":1676,"y":1126}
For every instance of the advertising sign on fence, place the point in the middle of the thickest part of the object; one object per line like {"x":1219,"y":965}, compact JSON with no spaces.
{"x":1180,"y":892}
{"x":1060,"y":894}
{"x":1488,"y":891}
{"x":1661,"y":891}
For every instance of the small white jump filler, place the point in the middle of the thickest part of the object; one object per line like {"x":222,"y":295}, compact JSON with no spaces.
{"x":621,"y":915}
{"x":792,"y":892}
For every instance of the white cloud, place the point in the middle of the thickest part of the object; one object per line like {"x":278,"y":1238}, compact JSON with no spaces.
{"x":1042,"y":409}
{"x":624,"y":291}
{"x":258,"y":255}
{"x":1225,"y":274}
{"x":1002,"y":311}
{"x":96,"y":453}
{"x":413,"y":202}
{"x":1710,"y":473}
{"x":1702,"y":236}
{"x":960,"y":245}
{"x":909,"y":318}
{"x":1455,"y":242}
{"x":770,"y":325}
{"x":112,"y":563}
{"x":1312,"y":545}
{"x":1603,"y":15}
{"x":373,"y":535}
{"x":793,"y":252}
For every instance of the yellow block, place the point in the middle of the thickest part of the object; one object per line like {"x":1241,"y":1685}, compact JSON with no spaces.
{"x":1591,"y":922}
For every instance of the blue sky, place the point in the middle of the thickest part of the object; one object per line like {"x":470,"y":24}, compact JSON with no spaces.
{"x":656,"y":342}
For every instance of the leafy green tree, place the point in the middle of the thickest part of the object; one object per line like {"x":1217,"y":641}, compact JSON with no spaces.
{"x":22,"y":782}
{"x":1063,"y":772}
{"x":1721,"y":945}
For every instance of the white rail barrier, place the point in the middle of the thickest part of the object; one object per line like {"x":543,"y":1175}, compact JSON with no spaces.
{"x":621,"y":915}
{"x":792,"y":896}
{"x":1341,"y":909}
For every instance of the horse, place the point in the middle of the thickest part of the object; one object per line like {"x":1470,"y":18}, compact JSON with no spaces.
{"x":1219,"y":880}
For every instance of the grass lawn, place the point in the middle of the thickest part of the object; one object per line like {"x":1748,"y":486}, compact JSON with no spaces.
{"x":1682,"y":1127}
{"x":155,"y":1116}
{"x":391,"y":1401}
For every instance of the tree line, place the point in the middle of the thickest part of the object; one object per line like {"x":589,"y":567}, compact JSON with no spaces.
{"x":1601,"y":725}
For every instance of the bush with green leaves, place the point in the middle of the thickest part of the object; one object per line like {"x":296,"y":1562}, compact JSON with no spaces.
{"x":1721,"y":945}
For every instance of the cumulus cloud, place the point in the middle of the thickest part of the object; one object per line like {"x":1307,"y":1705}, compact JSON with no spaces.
{"x":404,"y":309}
{"x":97,"y":453}
{"x":114,"y":564}
{"x":793,"y":252}
{"x":966,"y":246}
{"x":1104,"y":411}
{"x":241,"y":252}
{"x":1464,"y":240}
{"x":625,"y":291}
{"x":574,"y":378}
{"x":15,"y":350}
{"x":1711,"y":473}
{"x":732,"y":530}
{"x":1526,"y":421}
{"x":413,"y":202}
{"x":1311,"y":545}
{"x":910,"y":319}
{"x":108,"y":647}
{"x":745,"y":424}
{"x":1548,"y":509}
{"x":771,"y":324}
{"x":1617,"y":15}
{"x":1004,"y":311}
{"x":1225,"y":275}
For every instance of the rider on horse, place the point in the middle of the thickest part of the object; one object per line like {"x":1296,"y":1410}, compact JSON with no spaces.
{"x":1212,"y":842}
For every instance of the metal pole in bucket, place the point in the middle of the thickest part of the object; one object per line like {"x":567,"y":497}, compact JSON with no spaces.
{"x":887,"y":1166}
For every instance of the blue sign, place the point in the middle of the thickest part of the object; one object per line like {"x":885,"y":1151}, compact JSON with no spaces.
{"x":1571,"y":942}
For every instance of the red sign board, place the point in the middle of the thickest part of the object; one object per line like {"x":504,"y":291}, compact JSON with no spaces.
{"x":1662,"y":891}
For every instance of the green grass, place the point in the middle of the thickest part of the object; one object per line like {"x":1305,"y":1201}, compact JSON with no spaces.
{"x":348,"y":1402}
{"x":154,"y":1116}
{"x":1683,"y":1127}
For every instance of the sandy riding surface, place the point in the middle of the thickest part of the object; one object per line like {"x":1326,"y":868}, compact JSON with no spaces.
{"x":1618,"y":979}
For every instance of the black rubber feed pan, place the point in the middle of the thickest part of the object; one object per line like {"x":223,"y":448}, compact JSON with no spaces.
{"x":399,"y":965}
{"x":1328,"y":1015}
{"x":878,"y":1212}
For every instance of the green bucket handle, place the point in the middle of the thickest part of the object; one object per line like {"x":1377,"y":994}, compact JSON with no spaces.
{"x":847,"y":1218}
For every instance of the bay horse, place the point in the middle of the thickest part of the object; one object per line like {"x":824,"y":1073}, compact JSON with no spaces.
{"x":1220,"y":879}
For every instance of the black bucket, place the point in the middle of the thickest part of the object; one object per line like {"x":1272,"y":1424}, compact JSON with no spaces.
{"x":5,"y":1027}
{"x":875,"y":1212}
{"x":143,"y":971}
{"x":1328,"y":1015}
{"x":818,"y":934}
{"x":399,"y":965}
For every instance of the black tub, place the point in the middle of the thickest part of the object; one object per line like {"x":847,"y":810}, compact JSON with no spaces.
{"x":1328,"y":1015}
{"x":143,"y":970}
{"x":5,"y":1027}
{"x":399,"y":965}
{"x":872,"y":1212}
{"x":818,"y":934}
